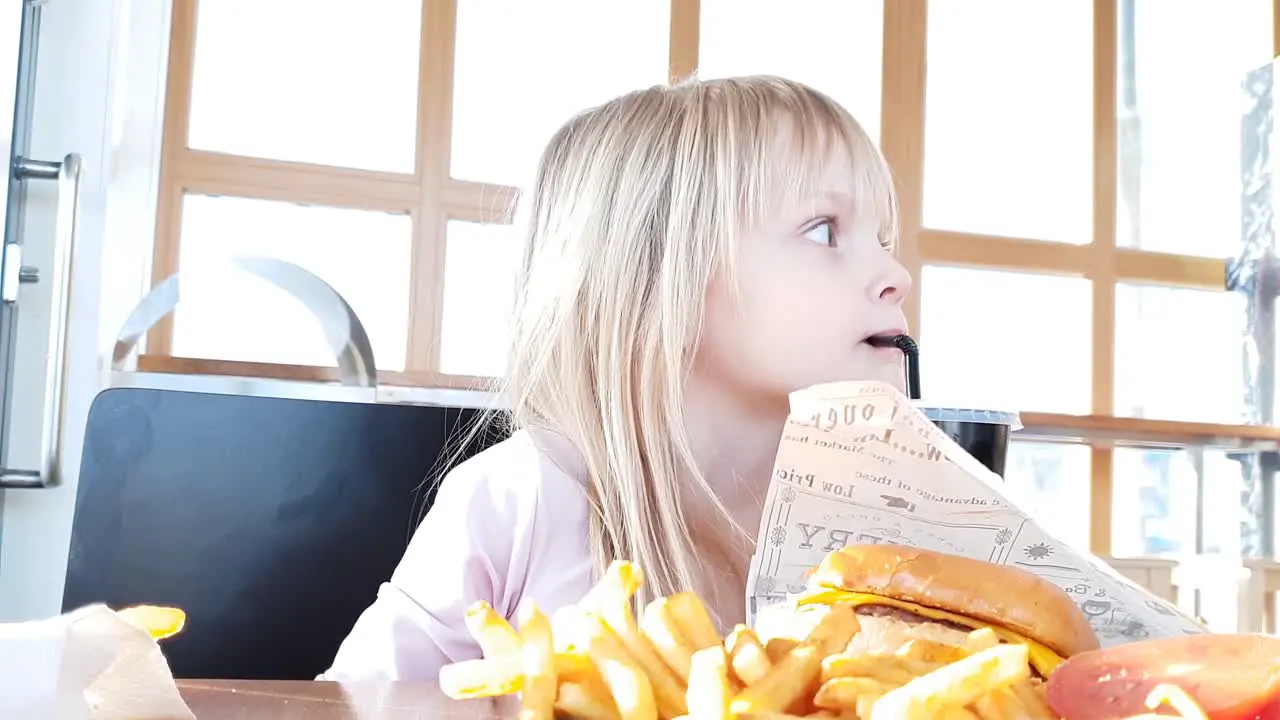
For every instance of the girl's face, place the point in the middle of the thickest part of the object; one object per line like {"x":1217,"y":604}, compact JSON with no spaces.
{"x":814,"y":282}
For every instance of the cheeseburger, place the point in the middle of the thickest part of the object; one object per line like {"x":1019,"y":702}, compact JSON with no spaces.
{"x":903,"y":594}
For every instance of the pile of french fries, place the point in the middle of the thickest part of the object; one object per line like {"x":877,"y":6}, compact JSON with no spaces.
{"x":597,"y":661}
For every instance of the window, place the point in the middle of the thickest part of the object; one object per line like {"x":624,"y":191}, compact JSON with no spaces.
{"x":1185,"y":503}
{"x":993,"y":338}
{"x":340,"y":89}
{"x":1068,"y":191}
{"x":479,"y":278}
{"x":555,"y":59}
{"x":1176,"y":153}
{"x":1013,"y":158}
{"x":1009,"y":145}
{"x":834,"y":45}
{"x":227,"y":316}
{"x":1051,"y":482}
{"x":1155,"y":503}
{"x":1180,"y":354}
{"x":1181,"y":502}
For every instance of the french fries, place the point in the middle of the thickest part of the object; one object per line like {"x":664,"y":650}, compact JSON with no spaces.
{"x":583,"y":702}
{"x":537,"y":659}
{"x":597,"y":661}
{"x":630,"y":688}
{"x":159,"y":622}
{"x":493,"y":634}
{"x":694,"y":620}
{"x":778,"y":647}
{"x":613,"y":607}
{"x":788,"y":681}
{"x":660,"y":625}
{"x":956,"y":684}
{"x":747,"y":655}
{"x":491,"y":677}
{"x":710,"y":690}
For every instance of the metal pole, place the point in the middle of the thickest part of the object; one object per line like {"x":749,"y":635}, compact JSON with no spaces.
{"x":1254,"y":273}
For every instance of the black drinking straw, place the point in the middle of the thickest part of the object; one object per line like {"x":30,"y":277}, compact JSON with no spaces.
{"x":911,"y":354}
{"x":910,"y":351}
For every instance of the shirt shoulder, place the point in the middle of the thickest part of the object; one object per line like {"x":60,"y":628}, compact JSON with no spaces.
{"x":520,"y":509}
{"x":506,"y":526}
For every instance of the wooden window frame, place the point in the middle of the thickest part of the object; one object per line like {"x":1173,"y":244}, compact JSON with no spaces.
{"x":430,"y":197}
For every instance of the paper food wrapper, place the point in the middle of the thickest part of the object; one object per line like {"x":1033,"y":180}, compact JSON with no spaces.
{"x":859,"y":464}
{"x":89,"y":664}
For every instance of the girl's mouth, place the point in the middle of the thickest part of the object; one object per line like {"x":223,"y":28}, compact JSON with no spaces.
{"x":890,"y":339}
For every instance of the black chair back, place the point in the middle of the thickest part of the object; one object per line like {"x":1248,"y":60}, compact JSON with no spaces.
{"x":271,"y":521}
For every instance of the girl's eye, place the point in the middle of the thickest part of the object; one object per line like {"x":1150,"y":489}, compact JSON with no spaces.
{"x":822,"y":234}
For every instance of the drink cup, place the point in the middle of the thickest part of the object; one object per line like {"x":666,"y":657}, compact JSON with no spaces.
{"x":984,"y":434}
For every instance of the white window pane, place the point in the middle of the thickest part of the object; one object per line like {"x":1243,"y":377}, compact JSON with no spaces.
{"x":363,"y":255}
{"x":1220,"y":602}
{"x":521,"y":69}
{"x":480,"y":268}
{"x":1052,"y":481}
{"x":1155,"y":502}
{"x":1180,"y":354}
{"x":1184,"y":503}
{"x":1225,"y":515}
{"x":1006,"y":340}
{"x":1180,"y":113}
{"x":1153,"y":509}
{"x":1009,"y":119}
{"x":1224,"y":519}
{"x":835,"y":46}
{"x":320,"y":81}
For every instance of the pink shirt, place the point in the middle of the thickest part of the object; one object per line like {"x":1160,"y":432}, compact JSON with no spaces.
{"x":510,"y":524}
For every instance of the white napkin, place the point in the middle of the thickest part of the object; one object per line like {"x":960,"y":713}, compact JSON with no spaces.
{"x":89,"y":664}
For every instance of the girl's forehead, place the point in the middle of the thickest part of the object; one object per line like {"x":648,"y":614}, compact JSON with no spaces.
{"x":815,"y":182}
{"x":813,"y":165}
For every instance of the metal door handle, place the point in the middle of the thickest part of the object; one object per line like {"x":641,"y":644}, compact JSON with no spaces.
{"x":66,"y":228}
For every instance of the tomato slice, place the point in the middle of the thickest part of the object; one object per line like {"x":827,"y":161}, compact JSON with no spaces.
{"x":1231,"y":677}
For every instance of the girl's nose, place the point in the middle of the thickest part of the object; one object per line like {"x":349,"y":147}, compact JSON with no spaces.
{"x":893,"y":284}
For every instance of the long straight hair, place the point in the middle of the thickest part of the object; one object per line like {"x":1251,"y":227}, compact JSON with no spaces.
{"x":634,"y":210}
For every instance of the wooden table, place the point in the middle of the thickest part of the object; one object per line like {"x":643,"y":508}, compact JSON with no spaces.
{"x":263,"y":699}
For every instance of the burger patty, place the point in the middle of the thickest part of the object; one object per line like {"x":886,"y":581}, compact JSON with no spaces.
{"x":885,"y":629}
{"x":905,"y":616}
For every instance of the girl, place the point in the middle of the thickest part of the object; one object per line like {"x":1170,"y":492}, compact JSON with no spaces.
{"x":694,"y":254}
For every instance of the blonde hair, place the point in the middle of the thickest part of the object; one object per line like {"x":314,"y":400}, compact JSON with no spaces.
{"x":634,"y":209}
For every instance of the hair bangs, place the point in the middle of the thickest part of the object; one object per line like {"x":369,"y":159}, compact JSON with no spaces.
{"x":800,"y":134}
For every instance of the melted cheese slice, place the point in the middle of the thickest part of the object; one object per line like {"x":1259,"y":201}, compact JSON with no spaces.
{"x":1044,"y":660}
